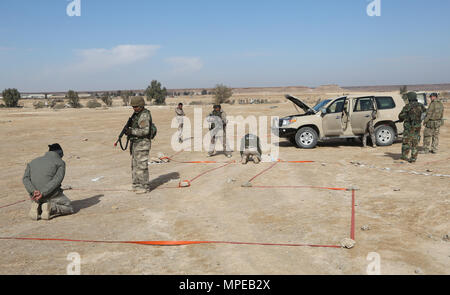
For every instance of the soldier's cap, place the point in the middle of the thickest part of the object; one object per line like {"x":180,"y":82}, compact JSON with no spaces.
{"x":412,"y":96}
{"x":55,"y":148}
{"x":434,"y":95}
{"x":137,"y":102}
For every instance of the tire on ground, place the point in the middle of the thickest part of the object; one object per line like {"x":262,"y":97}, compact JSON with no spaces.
{"x":306,"y":138}
{"x":385,"y":135}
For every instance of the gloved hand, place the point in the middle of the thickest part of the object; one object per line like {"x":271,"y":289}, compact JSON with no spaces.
{"x":128,"y":132}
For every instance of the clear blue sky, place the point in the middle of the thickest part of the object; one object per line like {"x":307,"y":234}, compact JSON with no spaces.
{"x":119,"y":44}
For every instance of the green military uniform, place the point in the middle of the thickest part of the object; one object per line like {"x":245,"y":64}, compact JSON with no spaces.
{"x":411,"y":116}
{"x":432,"y":122}
{"x":45,"y":174}
{"x":140,"y":138}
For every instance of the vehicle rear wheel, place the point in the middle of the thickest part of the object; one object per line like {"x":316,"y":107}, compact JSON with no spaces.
{"x":306,"y":138}
{"x":385,"y":135}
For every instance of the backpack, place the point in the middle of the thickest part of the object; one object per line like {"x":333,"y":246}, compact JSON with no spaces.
{"x":415,"y":113}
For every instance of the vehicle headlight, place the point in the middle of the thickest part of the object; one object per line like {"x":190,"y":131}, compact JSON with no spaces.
{"x":289,"y":121}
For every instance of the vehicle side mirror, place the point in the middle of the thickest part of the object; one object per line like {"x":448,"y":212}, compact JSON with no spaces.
{"x":324,"y":111}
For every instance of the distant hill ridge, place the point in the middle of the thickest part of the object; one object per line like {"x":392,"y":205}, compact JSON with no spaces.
{"x":288,"y":89}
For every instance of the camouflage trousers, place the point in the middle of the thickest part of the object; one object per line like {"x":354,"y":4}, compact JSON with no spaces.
{"x":250,"y":155}
{"x":370,"y":131}
{"x":431,"y":136}
{"x":411,"y":139}
{"x":214,"y":136}
{"x":140,"y":151}
{"x":59,"y":204}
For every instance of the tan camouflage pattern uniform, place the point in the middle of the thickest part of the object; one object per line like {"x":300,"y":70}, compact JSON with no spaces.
{"x":370,"y":130}
{"x":140,"y":149}
{"x":218,"y":118}
{"x":432,"y":122}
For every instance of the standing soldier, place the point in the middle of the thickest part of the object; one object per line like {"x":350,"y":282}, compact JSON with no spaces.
{"x":218,"y":121}
{"x":42,"y":180}
{"x":433,"y":121}
{"x":411,"y":116}
{"x":180,"y":115}
{"x":140,"y":138}
{"x":370,"y":130}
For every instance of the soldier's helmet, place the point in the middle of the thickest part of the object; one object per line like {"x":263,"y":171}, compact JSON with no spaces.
{"x":434,"y":95}
{"x":137,"y":102}
{"x":412,"y":96}
{"x":217,"y":106}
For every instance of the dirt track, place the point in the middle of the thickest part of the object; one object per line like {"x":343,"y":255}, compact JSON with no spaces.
{"x":406,"y":225}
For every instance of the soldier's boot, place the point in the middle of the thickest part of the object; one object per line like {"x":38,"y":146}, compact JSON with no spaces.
{"x":374,"y":142}
{"x":210,"y":154}
{"x":256,"y":159}
{"x":244,"y":160}
{"x":34,"y":211}
{"x":46,"y":211}
{"x":424,"y":151}
{"x":141,"y":191}
{"x":434,"y":151}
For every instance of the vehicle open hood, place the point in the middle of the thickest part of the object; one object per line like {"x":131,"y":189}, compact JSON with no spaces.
{"x":300,"y":103}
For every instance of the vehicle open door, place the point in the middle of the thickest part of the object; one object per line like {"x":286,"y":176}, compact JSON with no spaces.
{"x":334,"y":119}
{"x":362,"y":113}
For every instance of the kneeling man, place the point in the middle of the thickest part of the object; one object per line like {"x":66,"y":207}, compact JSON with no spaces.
{"x":42,"y":179}
{"x":250,"y":149}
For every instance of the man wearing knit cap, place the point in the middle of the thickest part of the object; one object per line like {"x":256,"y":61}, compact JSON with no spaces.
{"x":42,"y":180}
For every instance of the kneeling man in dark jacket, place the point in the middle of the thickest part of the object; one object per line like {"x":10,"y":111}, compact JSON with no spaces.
{"x":42,"y":179}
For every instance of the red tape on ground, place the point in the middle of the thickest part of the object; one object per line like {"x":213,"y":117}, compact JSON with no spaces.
{"x":171,"y":243}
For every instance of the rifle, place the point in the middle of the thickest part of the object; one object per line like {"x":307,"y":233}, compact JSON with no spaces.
{"x":124,"y":131}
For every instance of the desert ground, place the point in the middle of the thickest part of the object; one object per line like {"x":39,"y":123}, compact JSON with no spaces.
{"x":403,"y":208}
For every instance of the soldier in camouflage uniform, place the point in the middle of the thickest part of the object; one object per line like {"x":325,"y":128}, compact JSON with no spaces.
{"x":140,"y":138}
{"x":411,"y":116}
{"x":433,"y":121}
{"x":218,"y":122}
{"x":370,"y":130}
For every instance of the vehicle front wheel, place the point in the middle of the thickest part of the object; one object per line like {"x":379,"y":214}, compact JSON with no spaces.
{"x":306,"y":138}
{"x":385,"y":135}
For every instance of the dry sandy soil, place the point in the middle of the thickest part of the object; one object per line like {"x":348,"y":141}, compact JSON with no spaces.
{"x":407,"y":211}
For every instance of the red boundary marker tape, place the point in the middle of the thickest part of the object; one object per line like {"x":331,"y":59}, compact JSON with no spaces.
{"x":13,"y":204}
{"x":184,"y":243}
{"x":171,"y":243}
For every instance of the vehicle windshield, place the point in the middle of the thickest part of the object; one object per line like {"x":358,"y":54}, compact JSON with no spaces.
{"x":321,"y":105}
